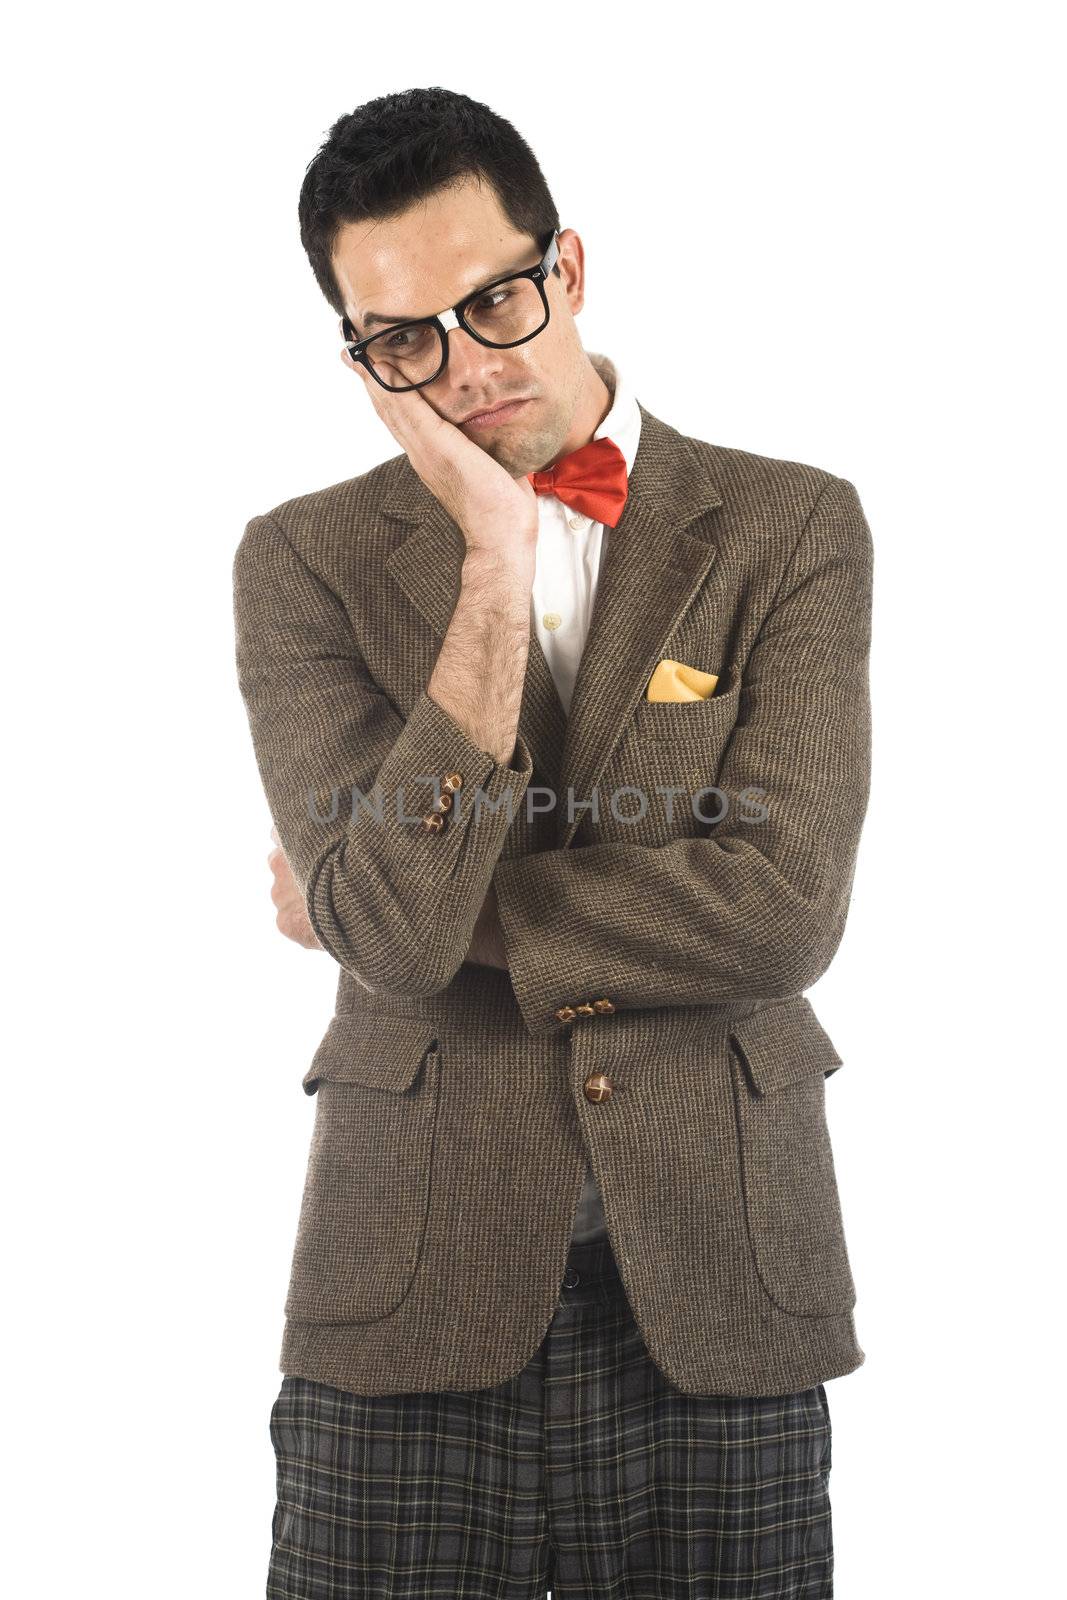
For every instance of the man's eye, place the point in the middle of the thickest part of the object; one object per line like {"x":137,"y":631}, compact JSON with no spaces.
{"x":407,"y":338}
{"x":493,"y":300}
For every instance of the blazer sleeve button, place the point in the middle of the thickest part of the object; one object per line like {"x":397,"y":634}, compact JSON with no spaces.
{"x":603,"y":1006}
{"x":433,"y":823}
{"x":585,"y":1010}
{"x":565,"y":1014}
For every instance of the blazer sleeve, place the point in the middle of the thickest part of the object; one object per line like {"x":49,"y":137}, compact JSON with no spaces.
{"x":393,"y":903}
{"x":756,"y":910}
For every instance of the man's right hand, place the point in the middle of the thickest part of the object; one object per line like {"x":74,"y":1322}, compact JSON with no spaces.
{"x":494,"y":511}
{"x":479,"y":673}
{"x":292,"y":918}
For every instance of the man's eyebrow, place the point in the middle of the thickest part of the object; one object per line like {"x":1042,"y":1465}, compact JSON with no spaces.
{"x":372,"y":317}
{"x":376,"y":317}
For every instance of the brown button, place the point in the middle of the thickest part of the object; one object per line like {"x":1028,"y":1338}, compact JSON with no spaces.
{"x":452,"y":780}
{"x":603,"y":1006}
{"x":585,"y":1010}
{"x":434,"y":822}
{"x":443,"y":802}
{"x":598,"y":1087}
{"x":565,"y":1014}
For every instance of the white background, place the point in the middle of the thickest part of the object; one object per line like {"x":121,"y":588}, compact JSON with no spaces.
{"x":859,"y":203}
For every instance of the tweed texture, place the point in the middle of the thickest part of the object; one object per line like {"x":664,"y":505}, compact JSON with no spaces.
{"x":451,"y":1123}
{"x":587,"y":1474}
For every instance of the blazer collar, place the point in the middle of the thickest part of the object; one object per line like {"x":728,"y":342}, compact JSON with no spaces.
{"x":657,"y":559}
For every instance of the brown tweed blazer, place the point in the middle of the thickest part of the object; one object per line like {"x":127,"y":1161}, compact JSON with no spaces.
{"x":653,"y":1016}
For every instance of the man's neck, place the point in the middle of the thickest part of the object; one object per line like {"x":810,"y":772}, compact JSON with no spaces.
{"x":597,"y":399}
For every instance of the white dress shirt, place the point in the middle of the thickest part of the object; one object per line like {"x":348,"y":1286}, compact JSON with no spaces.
{"x":570,"y":549}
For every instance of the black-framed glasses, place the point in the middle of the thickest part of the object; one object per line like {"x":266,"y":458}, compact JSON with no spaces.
{"x":504,"y":313}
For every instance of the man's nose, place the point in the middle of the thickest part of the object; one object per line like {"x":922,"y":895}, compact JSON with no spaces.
{"x":471,"y":364}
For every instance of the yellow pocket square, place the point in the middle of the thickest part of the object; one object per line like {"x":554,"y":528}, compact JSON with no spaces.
{"x":673,"y":680}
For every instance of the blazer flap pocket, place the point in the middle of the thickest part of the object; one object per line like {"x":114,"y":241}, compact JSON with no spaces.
{"x":379,"y":1052}
{"x":782,"y":1043}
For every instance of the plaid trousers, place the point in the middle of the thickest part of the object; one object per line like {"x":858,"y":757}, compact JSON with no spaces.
{"x":587,"y":1476}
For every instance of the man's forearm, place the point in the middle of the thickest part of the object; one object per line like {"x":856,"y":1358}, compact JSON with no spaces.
{"x":750,"y":911}
{"x":479,"y":673}
{"x":392,"y":900}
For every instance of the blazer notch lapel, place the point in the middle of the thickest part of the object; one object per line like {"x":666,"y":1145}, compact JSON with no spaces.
{"x":657,"y":560}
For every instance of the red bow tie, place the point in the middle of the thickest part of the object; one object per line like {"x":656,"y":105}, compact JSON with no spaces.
{"x":591,"y":480}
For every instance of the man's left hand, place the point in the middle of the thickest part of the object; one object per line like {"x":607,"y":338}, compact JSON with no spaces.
{"x":486,"y":948}
{"x":292,"y":918}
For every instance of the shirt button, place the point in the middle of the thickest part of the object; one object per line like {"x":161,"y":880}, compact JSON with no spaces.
{"x":576,"y":522}
{"x":552,"y":620}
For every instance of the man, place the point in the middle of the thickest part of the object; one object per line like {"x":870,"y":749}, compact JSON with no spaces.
{"x":563,"y":721}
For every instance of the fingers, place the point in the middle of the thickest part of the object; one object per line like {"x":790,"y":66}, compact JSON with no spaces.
{"x":292,"y":917}
{"x":284,"y":882}
{"x":293,"y":923}
{"x":408,"y":415}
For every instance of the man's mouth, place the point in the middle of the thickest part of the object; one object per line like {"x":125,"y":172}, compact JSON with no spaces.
{"x":489,"y":419}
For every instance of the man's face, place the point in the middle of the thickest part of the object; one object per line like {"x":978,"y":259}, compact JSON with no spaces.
{"x":430,"y":257}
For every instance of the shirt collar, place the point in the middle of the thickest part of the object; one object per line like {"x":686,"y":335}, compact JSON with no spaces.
{"x":623,"y":421}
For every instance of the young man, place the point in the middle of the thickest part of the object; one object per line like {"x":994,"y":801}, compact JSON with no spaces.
{"x":563,"y":721}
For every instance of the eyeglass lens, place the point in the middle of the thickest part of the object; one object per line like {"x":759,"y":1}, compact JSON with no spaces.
{"x":502,"y":315}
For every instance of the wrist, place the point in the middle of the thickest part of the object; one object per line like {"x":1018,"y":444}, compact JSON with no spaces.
{"x":515,"y":555}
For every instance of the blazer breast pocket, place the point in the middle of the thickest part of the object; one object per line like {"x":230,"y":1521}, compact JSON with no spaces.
{"x":699,"y":719}
{"x":367,"y":1190}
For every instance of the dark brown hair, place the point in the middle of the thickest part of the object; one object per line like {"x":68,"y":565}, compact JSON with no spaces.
{"x":386,"y":155}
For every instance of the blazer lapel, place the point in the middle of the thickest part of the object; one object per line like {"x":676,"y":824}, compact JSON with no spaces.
{"x":655,"y":564}
{"x":657,"y":559}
